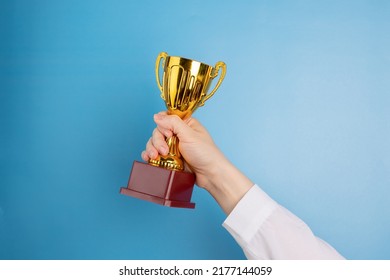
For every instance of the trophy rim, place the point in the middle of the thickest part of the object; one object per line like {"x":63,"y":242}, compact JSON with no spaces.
{"x":189,"y":60}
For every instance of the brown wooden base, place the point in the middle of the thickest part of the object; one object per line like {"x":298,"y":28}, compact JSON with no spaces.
{"x":159,"y":185}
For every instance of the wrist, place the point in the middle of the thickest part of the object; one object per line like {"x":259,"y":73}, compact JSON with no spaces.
{"x":227,"y":184}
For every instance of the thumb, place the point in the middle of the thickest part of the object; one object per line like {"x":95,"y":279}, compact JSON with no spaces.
{"x":172,"y":123}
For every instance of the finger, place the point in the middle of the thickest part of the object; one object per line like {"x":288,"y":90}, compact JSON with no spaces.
{"x":158,"y":141}
{"x":172,"y":123}
{"x":163,"y":113}
{"x":151,"y":151}
{"x":166,"y":132}
{"x":144,"y":156}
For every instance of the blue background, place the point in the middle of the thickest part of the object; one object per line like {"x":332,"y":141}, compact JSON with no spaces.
{"x":303,"y":111}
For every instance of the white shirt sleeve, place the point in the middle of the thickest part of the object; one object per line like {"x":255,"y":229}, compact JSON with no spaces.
{"x":266,"y":230}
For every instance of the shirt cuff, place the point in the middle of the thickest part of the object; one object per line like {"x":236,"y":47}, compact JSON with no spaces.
{"x":249,"y":214}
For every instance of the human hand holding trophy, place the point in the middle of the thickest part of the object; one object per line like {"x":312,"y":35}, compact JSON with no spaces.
{"x":185,"y":87}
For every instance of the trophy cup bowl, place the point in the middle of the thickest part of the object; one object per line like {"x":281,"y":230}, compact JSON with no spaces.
{"x":184,"y":88}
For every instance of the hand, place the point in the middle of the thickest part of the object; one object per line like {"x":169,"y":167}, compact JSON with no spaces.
{"x":212,"y":170}
{"x":195,"y":144}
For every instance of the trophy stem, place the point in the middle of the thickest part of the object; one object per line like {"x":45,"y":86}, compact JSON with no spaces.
{"x":173,"y":159}
{"x":173,"y":144}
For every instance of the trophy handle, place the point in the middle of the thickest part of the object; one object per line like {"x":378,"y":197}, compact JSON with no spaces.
{"x":161,"y":55}
{"x":213,"y":74}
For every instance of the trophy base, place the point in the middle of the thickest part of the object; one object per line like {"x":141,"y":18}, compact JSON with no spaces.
{"x":159,"y":185}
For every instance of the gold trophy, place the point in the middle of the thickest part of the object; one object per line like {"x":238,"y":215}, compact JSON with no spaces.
{"x":185,"y":87}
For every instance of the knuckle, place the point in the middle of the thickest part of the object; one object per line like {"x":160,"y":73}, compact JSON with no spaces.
{"x":149,"y":143}
{"x":155,"y":131}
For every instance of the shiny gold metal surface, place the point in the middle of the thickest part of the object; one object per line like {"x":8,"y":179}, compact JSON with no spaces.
{"x":185,"y":87}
